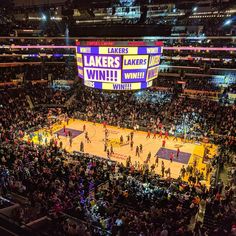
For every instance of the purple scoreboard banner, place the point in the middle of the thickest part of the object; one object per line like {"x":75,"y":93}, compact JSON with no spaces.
{"x":134,"y":75}
{"x":81,"y":72}
{"x":102,"y":61}
{"x":149,"y":50}
{"x":121,"y":86}
{"x":154,"y":60}
{"x":152,"y":73}
{"x":92,"y":50}
{"x":104,"y":68}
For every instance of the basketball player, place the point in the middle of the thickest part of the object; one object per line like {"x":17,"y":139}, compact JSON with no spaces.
{"x":175,"y":136}
{"x":81,"y":146}
{"x":70,"y":140}
{"x":87,"y":138}
{"x":141,"y":148}
{"x":106,"y":134}
{"x":137,"y":152}
{"x":131,"y":145}
{"x":171,"y":157}
{"x":149,"y":157}
{"x":166,"y":135}
{"x":168,"y":172}
{"x":177,"y":154}
{"x":156,"y":161}
{"x":112,"y":151}
{"x":105,"y":146}
{"x":131,"y":136}
{"x":121,"y":139}
{"x":104,"y":124}
{"x":152,"y":169}
{"x":163,"y":143}
{"x":162,"y":168}
{"x":182,"y":171}
{"x":155,"y":134}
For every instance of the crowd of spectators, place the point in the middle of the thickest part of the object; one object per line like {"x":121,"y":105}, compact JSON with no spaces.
{"x":199,"y":77}
{"x":9,"y":74}
{"x":35,"y":71}
{"x":122,"y":108}
{"x":134,"y":201}
{"x":197,"y":117}
{"x":198,"y":84}
{"x":66,"y":70}
{"x":42,"y":94}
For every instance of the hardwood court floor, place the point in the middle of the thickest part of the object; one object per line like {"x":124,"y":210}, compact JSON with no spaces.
{"x":189,"y":152}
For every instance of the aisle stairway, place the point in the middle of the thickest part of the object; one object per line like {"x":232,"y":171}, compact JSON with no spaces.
{"x":31,"y":105}
{"x":69,"y":102}
{"x":209,"y":222}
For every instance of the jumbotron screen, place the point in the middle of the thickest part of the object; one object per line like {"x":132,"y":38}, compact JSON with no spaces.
{"x":120,"y":66}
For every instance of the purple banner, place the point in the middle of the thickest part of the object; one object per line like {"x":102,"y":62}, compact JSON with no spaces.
{"x":152,"y":73}
{"x":122,"y":86}
{"x":102,"y":61}
{"x":154,"y":60}
{"x":86,"y":50}
{"x":134,"y":75}
{"x":102,"y":74}
{"x":79,"y":60}
{"x":90,"y":84}
{"x":81,"y":72}
{"x":149,"y":50}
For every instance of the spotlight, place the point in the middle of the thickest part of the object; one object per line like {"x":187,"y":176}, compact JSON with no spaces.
{"x":139,"y":93}
{"x":195,"y":9}
{"x":44,"y":18}
{"x":227,"y":22}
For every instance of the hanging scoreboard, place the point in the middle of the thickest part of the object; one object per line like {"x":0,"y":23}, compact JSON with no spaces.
{"x":118,"y":67}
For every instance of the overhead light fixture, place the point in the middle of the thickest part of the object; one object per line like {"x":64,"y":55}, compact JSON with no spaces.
{"x":44,"y":18}
{"x":195,"y":9}
{"x":228,"y":22}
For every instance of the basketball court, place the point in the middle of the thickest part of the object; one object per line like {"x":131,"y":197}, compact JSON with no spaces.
{"x":189,"y":152}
